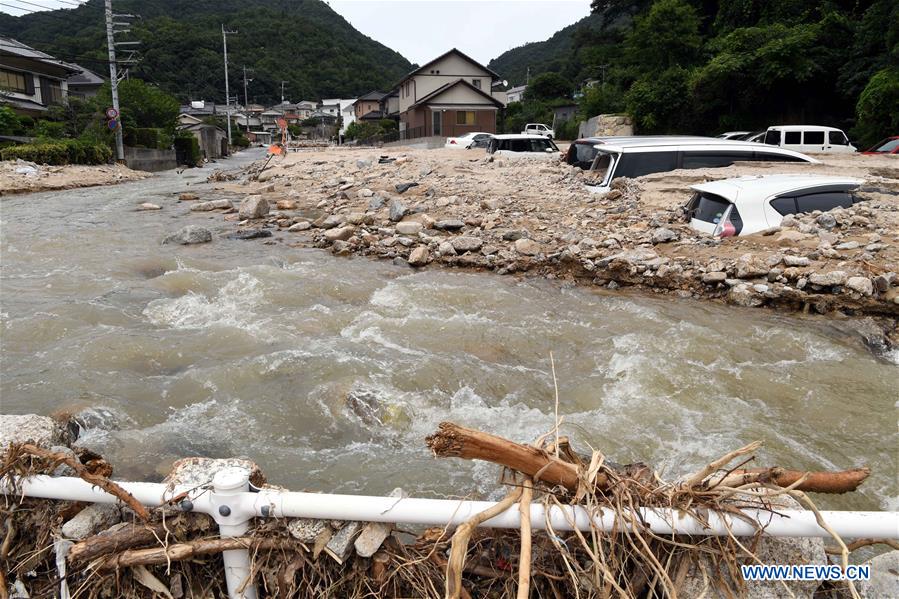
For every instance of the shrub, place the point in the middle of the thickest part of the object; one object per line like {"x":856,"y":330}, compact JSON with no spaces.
{"x":878,"y":107}
{"x":69,"y":151}
{"x":49,"y":130}
{"x":187,"y":150}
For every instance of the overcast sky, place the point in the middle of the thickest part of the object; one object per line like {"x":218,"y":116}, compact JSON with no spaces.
{"x":423,"y":29}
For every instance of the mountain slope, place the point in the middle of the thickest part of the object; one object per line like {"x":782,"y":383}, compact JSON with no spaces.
{"x":549,"y":55}
{"x":302,"y":42}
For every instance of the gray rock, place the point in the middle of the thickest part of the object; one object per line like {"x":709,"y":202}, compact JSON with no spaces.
{"x":307,"y":530}
{"x":195,"y":472}
{"x":28,"y":428}
{"x":882,"y":282}
{"x":634,"y":256}
{"x":446,"y":249}
{"x":253,"y":207}
{"x":884,"y":577}
{"x":419,"y":256}
{"x":333,"y":220}
{"x":796,"y":260}
{"x":375,"y":203}
{"x":91,"y":520}
{"x":340,"y":233}
{"x":149,"y":206}
{"x":527,"y":247}
{"x":465,"y":243}
{"x":301,"y":226}
{"x":363,"y":163}
{"x":826,"y":220}
{"x":449,"y":224}
{"x":862,"y":285}
{"x":408,"y":228}
{"x":189,"y":235}
{"x":266,"y":175}
{"x":404,"y":187}
{"x":663,"y":235}
{"x":250,"y":234}
{"x":834,"y":277}
{"x":714,"y":277}
{"x":743,"y":295}
{"x":847,"y":245}
{"x":365,"y":193}
{"x":397,"y":210}
{"x":749,"y":266}
{"x":491,"y":204}
{"x":514,"y":235}
{"x":212,"y":205}
{"x":340,"y":544}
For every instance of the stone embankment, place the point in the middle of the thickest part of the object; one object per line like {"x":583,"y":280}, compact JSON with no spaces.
{"x":19,"y":176}
{"x":464,"y":209}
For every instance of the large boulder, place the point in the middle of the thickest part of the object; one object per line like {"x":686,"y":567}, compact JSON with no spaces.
{"x":253,"y":207}
{"x":466,"y":244}
{"x":884,"y":580}
{"x":194,"y":472}
{"x":28,"y":428}
{"x":189,"y":235}
{"x":91,"y":520}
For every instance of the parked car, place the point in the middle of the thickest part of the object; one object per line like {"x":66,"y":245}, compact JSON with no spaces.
{"x":643,"y":156}
{"x":733,"y":135}
{"x":538,"y":129}
{"x":468,"y":141}
{"x":524,"y":146}
{"x":581,"y":152}
{"x":755,"y":137}
{"x":747,"y":205}
{"x":889,"y":145}
{"x":809,"y":138}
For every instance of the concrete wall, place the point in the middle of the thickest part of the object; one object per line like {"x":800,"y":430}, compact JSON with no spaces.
{"x":143,"y":159}
{"x":422,"y":143}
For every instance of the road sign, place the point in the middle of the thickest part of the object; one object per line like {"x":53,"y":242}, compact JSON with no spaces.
{"x":111,"y":113}
{"x":112,"y":124}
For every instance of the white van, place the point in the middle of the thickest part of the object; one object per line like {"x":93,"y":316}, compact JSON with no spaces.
{"x":523,"y":146}
{"x":809,"y":138}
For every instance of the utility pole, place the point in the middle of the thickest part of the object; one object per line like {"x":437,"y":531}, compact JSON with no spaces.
{"x":528,"y":80}
{"x":227,"y":91}
{"x":246,"y":102}
{"x":114,"y":83}
{"x":282,"y":91}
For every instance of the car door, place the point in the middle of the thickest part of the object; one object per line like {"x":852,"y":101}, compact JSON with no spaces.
{"x":814,"y":141}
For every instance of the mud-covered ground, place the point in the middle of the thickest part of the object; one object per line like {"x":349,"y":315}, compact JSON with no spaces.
{"x":18,"y":176}
{"x":461,"y":208}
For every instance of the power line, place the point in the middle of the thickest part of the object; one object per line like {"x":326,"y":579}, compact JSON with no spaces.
{"x":41,"y":6}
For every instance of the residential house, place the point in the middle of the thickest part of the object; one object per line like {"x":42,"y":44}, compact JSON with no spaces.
{"x":84,"y":84}
{"x":368,"y":106}
{"x":516,"y":94}
{"x":331,"y":106}
{"x":564,"y":113}
{"x":347,"y":114}
{"x":213,"y":140}
{"x":390,"y":105}
{"x":269,"y":118}
{"x":31,"y":81}
{"x":305,"y":109}
{"x":449,"y":96}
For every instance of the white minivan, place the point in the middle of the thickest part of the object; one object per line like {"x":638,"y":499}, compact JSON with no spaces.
{"x":523,"y":146}
{"x":809,"y":138}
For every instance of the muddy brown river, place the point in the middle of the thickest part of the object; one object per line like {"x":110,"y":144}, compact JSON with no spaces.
{"x":252,"y":349}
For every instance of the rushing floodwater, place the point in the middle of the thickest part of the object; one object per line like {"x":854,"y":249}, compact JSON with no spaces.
{"x":242,"y":348}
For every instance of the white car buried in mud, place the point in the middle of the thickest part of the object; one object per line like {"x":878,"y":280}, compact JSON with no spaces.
{"x":524,"y":146}
{"x":747,"y":205}
{"x":475,"y":139}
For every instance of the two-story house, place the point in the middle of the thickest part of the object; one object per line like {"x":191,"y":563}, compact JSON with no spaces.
{"x":367,"y":107}
{"x":30,"y":80}
{"x":450,"y":95}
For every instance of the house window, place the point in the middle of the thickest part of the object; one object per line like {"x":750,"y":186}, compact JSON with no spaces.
{"x":13,"y":81}
{"x":476,"y":83}
{"x":465,"y":117}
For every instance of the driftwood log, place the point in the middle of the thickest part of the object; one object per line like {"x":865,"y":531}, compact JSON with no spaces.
{"x":191,"y":549}
{"x":452,"y":440}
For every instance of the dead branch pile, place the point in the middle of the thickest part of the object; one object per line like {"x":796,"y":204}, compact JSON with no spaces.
{"x":164,"y":552}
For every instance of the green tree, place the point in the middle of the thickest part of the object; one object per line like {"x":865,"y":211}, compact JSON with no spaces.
{"x":144,"y":105}
{"x":878,"y":107}
{"x":548,"y":86}
{"x":9,"y":122}
{"x":661,"y":103}
{"x":667,"y":36}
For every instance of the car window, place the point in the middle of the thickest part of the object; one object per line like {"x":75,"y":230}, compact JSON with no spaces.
{"x":584,"y":154}
{"x":793,"y":138}
{"x":772,"y":157}
{"x":539,"y":145}
{"x":600,"y":168}
{"x":784,"y":206}
{"x":519,"y":145}
{"x":637,"y":164}
{"x":889,"y":146}
{"x":823,"y":201}
{"x":712,"y":159}
{"x":492,"y":146}
{"x":838,"y":138}
{"x":707,"y":207}
{"x":814,"y":138}
{"x":773,"y":138}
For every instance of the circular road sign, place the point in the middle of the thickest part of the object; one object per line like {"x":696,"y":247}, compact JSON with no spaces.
{"x":112,"y":124}
{"x":111,"y":113}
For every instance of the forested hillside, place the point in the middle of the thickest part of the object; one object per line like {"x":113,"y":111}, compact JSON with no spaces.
{"x":705,"y":66}
{"x":303,"y":42}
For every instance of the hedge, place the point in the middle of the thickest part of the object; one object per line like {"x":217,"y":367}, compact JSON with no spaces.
{"x":68,"y":151}
{"x":148,"y":137}
{"x":187,"y":150}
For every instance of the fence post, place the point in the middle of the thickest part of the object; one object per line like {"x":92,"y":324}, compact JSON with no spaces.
{"x":229,"y":485}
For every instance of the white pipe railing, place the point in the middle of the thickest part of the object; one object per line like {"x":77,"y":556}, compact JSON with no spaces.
{"x":232,"y":506}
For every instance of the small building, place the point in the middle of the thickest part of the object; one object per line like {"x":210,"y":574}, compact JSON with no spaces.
{"x":449,"y":96}
{"x":564,"y":113}
{"x":31,"y":80}
{"x":369,"y":106}
{"x":516,"y":94}
{"x":84,"y":84}
{"x":213,"y":140}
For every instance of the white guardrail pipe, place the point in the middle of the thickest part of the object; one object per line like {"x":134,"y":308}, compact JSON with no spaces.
{"x":232,"y":506}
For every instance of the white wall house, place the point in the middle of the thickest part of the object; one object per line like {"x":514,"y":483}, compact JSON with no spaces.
{"x":30,"y":80}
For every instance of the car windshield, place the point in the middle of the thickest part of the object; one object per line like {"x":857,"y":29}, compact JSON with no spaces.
{"x":707,"y":207}
{"x":887,"y":145}
{"x":584,"y":153}
{"x":602,"y":166}
{"x":542,"y":145}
